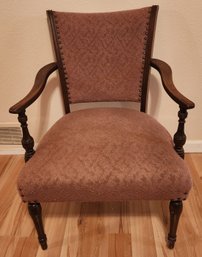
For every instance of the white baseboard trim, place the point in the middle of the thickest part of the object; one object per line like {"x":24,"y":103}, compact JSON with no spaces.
{"x":191,"y":146}
{"x":11,"y":150}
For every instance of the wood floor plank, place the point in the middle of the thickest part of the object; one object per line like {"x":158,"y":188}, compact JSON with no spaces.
{"x":25,"y":247}
{"x":125,"y":229}
{"x":71,"y":234}
{"x":120,"y":245}
{"x":55,"y":218}
{"x":141,"y":230}
{"x":8,"y":192}
{"x":197,"y":161}
{"x":195,"y":198}
{"x":160,"y":229}
{"x":91,"y":229}
{"x":7,"y":244}
{"x":4,"y":161}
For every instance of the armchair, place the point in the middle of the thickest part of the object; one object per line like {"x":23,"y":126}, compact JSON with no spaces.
{"x":104,"y":154}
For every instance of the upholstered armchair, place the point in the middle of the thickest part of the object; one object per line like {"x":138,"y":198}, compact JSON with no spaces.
{"x":104,"y":154}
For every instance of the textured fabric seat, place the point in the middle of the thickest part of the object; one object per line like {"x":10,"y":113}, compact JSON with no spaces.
{"x":105,"y":154}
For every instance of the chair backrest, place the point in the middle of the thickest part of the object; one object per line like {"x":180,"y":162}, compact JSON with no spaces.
{"x":104,"y":56}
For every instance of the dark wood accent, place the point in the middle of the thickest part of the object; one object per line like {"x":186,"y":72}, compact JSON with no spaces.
{"x":148,"y":49}
{"x":167,"y":81}
{"x":184,"y":103}
{"x":180,"y":137}
{"x":19,"y":108}
{"x":27,"y":140}
{"x":175,"y":212}
{"x":35,"y":212}
{"x":39,"y":85}
{"x":59,"y":61}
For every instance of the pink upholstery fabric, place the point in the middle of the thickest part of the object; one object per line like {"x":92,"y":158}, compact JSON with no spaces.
{"x":105,"y":154}
{"x":103,"y":54}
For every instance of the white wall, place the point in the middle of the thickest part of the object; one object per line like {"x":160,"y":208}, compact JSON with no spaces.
{"x":25,"y":47}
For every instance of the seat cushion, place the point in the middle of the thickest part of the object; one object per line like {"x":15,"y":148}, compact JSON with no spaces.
{"x":105,"y":154}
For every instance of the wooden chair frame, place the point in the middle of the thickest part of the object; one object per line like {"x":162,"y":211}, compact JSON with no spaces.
{"x":39,"y":85}
{"x":179,"y":137}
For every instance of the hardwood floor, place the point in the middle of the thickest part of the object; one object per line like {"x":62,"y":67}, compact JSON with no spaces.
{"x":127,"y":229}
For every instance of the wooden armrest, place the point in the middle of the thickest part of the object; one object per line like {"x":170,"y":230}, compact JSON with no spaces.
{"x":39,"y":85}
{"x":167,"y":81}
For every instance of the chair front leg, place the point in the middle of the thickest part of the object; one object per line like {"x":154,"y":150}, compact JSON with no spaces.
{"x":175,"y":212}
{"x":35,"y":212}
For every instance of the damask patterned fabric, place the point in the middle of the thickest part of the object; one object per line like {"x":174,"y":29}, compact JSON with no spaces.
{"x":103,"y":54}
{"x":105,"y":154}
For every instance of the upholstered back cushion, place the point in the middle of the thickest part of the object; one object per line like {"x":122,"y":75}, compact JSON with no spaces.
{"x":103,"y":54}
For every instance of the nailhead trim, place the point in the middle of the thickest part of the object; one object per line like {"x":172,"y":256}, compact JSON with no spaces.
{"x":144,"y":53}
{"x":62,"y":56}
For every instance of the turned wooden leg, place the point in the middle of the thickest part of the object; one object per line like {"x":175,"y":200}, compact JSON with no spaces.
{"x":180,"y":137}
{"x":27,"y":140}
{"x":175,"y":212}
{"x":35,"y":213}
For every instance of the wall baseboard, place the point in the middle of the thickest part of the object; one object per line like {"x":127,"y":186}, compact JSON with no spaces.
{"x":191,"y":146}
{"x":11,"y":150}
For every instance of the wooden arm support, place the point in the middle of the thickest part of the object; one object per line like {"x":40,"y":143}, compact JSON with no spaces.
{"x":39,"y":85}
{"x":27,"y":140}
{"x":180,"y":136}
{"x":184,"y":103}
{"x":167,"y":81}
{"x":19,"y":108}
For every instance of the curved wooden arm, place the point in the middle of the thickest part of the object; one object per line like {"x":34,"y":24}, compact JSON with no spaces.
{"x":167,"y":81}
{"x":39,"y":85}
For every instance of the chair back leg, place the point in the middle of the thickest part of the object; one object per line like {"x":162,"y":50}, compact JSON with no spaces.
{"x":175,"y":212}
{"x":35,"y":212}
